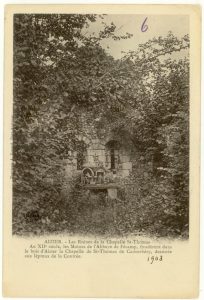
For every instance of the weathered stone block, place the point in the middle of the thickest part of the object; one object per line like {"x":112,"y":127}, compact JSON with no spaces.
{"x":94,"y":141}
{"x":125,"y":173}
{"x":90,"y":160}
{"x":98,"y":146}
{"x":112,"y":193}
{"x":127,"y":166}
{"x":90,"y":152}
{"x":125,"y":158}
{"x":100,"y":153}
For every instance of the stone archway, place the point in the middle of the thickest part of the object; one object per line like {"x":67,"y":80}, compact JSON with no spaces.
{"x":112,"y":148}
{"x":118,"y":158}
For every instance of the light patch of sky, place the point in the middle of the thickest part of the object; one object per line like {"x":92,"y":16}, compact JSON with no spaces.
{"x":158,"y":25}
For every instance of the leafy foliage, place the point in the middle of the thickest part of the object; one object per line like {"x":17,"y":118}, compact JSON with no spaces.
{"x":60,"y":72}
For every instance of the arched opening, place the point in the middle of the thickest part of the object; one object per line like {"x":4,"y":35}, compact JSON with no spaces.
{"x":112,"y":154}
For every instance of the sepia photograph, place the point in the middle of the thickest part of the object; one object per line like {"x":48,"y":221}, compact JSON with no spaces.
{"x":100,"y":126}
{"x":102,"y":151}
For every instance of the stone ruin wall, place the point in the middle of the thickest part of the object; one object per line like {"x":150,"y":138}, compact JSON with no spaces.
{"x":98,"y":154}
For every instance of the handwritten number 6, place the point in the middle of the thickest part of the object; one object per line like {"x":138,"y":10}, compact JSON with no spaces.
{"x":144,"y":27}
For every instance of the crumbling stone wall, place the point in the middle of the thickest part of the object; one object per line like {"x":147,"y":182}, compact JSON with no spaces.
{"x":99,"y":154}
{"x":130,"y":165}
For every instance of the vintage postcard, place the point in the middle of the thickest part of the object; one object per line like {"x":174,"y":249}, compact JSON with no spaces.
{"x":101,"y":151}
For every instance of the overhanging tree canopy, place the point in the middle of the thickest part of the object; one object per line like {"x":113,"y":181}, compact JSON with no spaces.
{"x":60,"y":71}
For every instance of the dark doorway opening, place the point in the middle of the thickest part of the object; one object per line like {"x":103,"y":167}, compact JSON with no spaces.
{"x":113,"y":148}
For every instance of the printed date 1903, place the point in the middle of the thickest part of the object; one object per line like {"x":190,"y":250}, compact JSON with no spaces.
{"x":154,"y":258}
